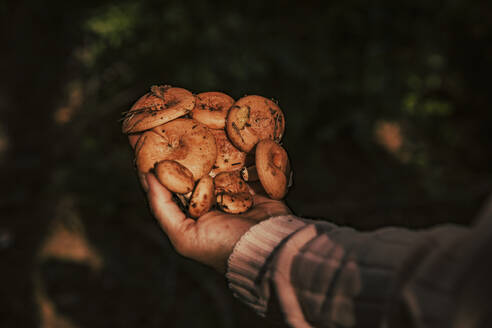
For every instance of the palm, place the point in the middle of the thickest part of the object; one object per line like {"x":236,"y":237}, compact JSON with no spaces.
{"x":212,"y":237}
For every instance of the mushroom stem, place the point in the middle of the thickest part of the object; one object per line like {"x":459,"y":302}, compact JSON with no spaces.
{"x":249,"y":173}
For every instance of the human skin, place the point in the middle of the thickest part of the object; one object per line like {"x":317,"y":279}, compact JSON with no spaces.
{"x":210,"y":239}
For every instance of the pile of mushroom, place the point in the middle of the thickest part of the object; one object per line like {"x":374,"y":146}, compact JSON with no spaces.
{"x":207,"y":148}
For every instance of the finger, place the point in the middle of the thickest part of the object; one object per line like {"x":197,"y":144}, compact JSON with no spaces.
{"x":166,"y":211}
{"x":260,"y":199}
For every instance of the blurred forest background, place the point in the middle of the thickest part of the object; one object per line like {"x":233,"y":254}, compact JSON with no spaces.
{"x":388,"y":108}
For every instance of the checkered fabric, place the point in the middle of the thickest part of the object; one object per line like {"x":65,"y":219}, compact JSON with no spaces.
{"x":316,"y":274}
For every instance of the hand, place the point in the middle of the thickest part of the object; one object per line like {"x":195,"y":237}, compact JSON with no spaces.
{"x":211,"y":238}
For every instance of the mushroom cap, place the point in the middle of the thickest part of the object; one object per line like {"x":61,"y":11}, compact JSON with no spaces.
{"x":229,"y":158}
{"x":183,"y":140}
{"x":149,"y":150}
{"x":211,"y":109}
{"x":174,"y":176}
{"x":235,"y":203}
{"x":230,"y":182}
{"x":232,"y":193}
{"x":254,"y":118}
{"x":272,"y":165}
{"x":133,"y":139}
{"x":203,"y":197}
{"x":162,"y":104}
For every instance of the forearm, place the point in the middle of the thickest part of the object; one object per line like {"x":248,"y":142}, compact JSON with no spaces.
{"x":319,"y":274}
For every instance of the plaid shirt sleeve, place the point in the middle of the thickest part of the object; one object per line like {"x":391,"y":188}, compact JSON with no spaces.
{"x":314,"y":273}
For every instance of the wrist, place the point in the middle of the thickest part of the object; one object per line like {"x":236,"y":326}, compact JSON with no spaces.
{"x":252,"y":252}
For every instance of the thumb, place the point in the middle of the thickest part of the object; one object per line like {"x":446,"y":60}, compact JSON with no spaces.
{"x":165,"y":210}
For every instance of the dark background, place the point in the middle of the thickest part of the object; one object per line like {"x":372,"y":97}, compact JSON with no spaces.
{"x":388,"y":108}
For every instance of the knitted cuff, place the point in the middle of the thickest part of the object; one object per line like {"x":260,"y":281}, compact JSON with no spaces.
{"x":250,"y":255}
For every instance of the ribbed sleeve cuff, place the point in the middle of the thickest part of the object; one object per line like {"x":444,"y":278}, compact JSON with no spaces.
{"x":250,"y":255}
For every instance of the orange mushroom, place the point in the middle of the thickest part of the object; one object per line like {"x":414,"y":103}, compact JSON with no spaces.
{"x":229,"y":158}
{"x":189,"y":143}
{"x":254,"y":118}
{"x":174,"y":176}
{"x":273,"y":168}
{"x":232,"y":193}
{"x":162,"y":104}
{"x":203,"y":197}
{"x":133,"y":139}
{"x":211,"y":109}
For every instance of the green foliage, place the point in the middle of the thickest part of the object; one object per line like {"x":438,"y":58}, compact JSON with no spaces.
{"x":115,"y":23}
{"x":337,"y":69}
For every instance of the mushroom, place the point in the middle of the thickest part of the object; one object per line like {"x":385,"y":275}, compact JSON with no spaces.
{"x":208,"y":158}
{"x":229,"y":158}
{"x":254,"y":118}
{"x":162,"y":104}
{"x":185,"y":141}
{"x":250,"y":175}
{"x":211,"y":109}
{"x":235,"y":203}
{"x":133,"y":139}
{"x":174,"y":176}
{"x":203,"y":197}
{"x":232,"y":193}
{"x":273,"y":168}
